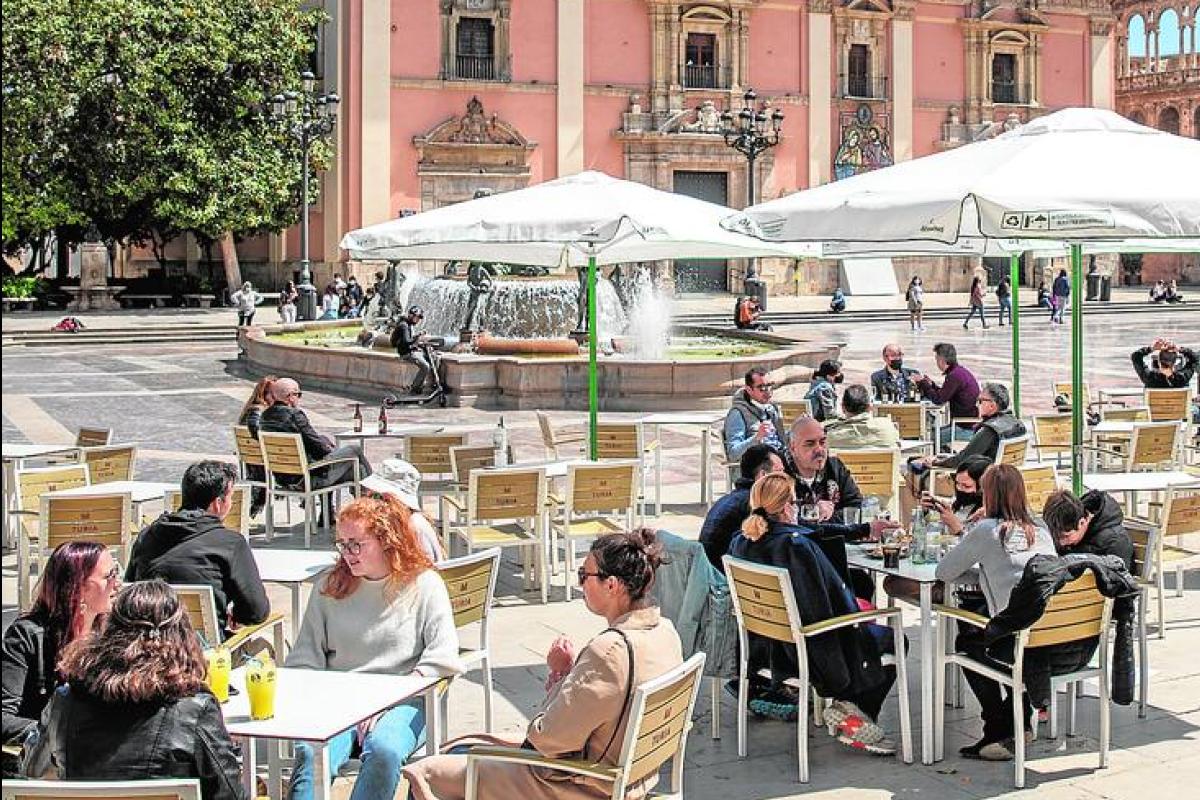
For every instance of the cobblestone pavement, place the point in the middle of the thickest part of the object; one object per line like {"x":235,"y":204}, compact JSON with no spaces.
{"x":178,"y":403}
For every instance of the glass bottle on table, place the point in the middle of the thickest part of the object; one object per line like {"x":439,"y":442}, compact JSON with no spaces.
{"x":358,"y":418}
{"x":383,"y":420}
{"x":919,"y":532}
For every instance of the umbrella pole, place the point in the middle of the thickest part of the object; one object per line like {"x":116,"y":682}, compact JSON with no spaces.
{"x":593,"y":389}
{"x":1014,"y":322}
{"x":1077,"y":398}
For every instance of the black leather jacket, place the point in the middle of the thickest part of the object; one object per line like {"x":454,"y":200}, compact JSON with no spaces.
{"x":282,"y":418}
{"x":84,"y":738}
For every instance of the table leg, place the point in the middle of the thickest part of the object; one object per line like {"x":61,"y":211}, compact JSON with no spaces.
{"x":249,"y":766}
{"x":658,"y":474}
{"x":274,"y":770}
{"x":11,"y":533}
{"x":295,"y":587}
{"x":321,"y":776}
{"x":927,"y":667}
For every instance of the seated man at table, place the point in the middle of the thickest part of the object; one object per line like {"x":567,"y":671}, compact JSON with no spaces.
{"x":725,"y":518}
{"x":895,"y":383}
{"x":192,"y":546}
{"x":822,"y":480}
{"x":959,"y":391}
{"x":858,"y":427}
{"x":753,"y":418}
{"x":997,"y":423}
{"x":286,"y":416}
{"x":1092,"y":524}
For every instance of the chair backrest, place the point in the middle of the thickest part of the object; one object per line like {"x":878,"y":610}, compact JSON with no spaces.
{"x":608,"y":486}
{"x":158,"y":789}
{"x":113,"y":463}
{"x":471,"y":584}
{"x":763,"y":601}
{"x":101,"y":518}
{"x":876,"y":470}
{"x":1040,"y":482}
{"x":93,"y":437}
{"x":1013,"y":451}
{"x":1181,"y":513}
{"x":1052,"y":433}
{"x":1067,"y":388}
{"x":1168,"y":405}
{"x":790,"y":410}
{"x":238,"y":518}
{"x":1124,"y":414}
{"x":200,"y":605}
{"x":660,"y":717}
{"x":33,"y":483}
{"x":1076,"y":611}
{"x":1145,"y":547}
{"x":249,"y":451}
{"x":470,"y":457}
{"x":430,"y":453}
{"x":1153,"y":443}
{"x":283,"y":453}
{"x":910,"y":418}
{"x":506,"y":494}
{"x":619,"y":440}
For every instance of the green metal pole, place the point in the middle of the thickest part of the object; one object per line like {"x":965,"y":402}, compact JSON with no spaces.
{"x":1077,"y":398}
{"x":1014,"y":279}
{"x":593,"y":388}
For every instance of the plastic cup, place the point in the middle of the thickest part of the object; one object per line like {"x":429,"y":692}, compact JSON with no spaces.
{"x":219,"y":665}
{"x":852,"y":515}
{"x":260,"y":688}
{"x":891,"y":556}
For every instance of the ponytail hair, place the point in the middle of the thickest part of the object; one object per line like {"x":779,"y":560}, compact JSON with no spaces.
{"x":632,"y":557}
{"x":768,"y":498}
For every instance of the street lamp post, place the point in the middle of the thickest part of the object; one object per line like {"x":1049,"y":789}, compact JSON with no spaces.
{"x":307,"y":117}
{"x":752,"y":132}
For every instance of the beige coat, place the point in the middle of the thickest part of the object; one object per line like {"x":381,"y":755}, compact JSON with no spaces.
{"x":580,"y":716}
{"x":862,"y":430}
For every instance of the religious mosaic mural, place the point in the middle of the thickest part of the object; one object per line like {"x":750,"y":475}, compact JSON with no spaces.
{"x":864,"y":144}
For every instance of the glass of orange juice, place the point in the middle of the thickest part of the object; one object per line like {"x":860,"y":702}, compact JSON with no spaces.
{"x":219,"y":664}
{"x":260,"y":687}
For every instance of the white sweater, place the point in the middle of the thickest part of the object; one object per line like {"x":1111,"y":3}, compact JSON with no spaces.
{"x":365,"y":632}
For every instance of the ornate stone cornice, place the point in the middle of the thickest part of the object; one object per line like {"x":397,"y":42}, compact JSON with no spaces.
{"x":820,"y":6}
{"x":905,"y":10}
{"x":1102,"y":26}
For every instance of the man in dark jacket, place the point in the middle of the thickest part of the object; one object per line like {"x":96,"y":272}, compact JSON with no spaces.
{"x":1091,"y":524}
{"x":407,"y":343}
{"x":997,"y":424}
{"x":725,"y":518}
{"x":192,"y":546}
{"x":1174,"y":366}
{"x":286,"y":416}
{"x":959,"y":391}
{"x":895,"y":383}
{"x":821,"y":479}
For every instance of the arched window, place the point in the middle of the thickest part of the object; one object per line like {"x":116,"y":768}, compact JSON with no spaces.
{"x":1137,"y":36}
{"x":1168,"y":120}
{"x":1168,"y":33}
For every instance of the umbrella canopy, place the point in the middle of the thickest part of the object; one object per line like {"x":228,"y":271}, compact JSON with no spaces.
{"x":625,"y":221}
{"x":1080,"y":174}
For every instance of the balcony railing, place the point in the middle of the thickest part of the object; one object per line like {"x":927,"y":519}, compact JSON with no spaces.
{"x":863,"y":87}
{"x":477,"y":68}
{"x":704,"y":76}
{"x":1010,"y":92}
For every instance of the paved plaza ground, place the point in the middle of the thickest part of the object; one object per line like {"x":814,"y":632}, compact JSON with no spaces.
{"x":178,"y":402}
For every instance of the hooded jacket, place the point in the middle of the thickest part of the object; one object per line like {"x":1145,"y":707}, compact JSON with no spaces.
{"x":723,"y":522}
{"x":1105,"y":534}
{"x":741,"y":421}
{"x":192,"y":546}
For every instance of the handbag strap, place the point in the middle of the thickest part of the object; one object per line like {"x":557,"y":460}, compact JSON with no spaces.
{"x":628,"y":692}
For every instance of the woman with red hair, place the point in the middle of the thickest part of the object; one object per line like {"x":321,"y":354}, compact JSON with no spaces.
{"x":382,"y":608}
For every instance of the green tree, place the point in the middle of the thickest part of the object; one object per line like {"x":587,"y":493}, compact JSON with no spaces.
{"x":148,"y":119}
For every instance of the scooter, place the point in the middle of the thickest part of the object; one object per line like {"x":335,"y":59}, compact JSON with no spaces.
{"x":431,"y":351}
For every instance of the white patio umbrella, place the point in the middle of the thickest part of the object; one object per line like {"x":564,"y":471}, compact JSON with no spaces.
{"x":1076,"y":176}
{"x":589,"y":218}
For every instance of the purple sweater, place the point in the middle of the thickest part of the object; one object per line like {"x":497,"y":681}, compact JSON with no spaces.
{"x":959,"y":388}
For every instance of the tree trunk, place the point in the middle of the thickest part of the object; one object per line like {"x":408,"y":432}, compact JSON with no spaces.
{"x":233,"y":270}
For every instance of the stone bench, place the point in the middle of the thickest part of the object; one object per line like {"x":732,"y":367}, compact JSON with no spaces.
{"x":19,"y":303}
{"x":152,"y":300}
{"x":198,"y":300}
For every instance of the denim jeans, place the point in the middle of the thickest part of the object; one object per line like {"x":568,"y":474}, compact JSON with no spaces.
{"x":1005,"y":307}
{"x":384,"y":752}
{"x":972,"y":312}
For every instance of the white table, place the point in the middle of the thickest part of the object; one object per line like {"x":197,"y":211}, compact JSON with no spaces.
{"x":555,"y":468}
{"x":1120,"y":391}
{"x":1119,"y":482}
{"x":402,"y":431}
{"x":15,"y":456}
{"x":923,"y":574}
{"x":293,"y":569}
{"x":315,"y":706}
{"x":704,"y":420}
{"x":920,"y":446}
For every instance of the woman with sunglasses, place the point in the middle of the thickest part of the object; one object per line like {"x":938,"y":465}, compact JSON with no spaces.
{"x":381,"y":608}
{"x":844,"y":664}
{"x":588,"y":693}
{"x":74,"y":595}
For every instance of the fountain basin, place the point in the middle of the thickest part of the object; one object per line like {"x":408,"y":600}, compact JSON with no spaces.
{"x":524,"y":382}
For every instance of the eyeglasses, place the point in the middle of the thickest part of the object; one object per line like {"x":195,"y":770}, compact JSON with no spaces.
{"x":983,"y":399}
{"x":114,"y":573}
{"x":583,"y":575}
{"x":763,"y":387}
{"x":348,"y":547}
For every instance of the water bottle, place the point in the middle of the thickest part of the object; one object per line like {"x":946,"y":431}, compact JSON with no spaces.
{"x":920,"y":544}
{"x":870,"y":509}
{"x":500,"y":444}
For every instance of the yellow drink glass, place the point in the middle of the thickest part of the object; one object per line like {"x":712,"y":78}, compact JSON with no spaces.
{"x":260,"y":688}
{"x":219,"y":664}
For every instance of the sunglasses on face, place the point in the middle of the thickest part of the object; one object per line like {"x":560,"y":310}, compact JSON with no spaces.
{"x":582,"y":574}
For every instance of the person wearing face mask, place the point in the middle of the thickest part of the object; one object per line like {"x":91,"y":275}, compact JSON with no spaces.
{"x":967,"y":506}
{"x":822,"y":396}
{"x":753,"y":418}
{"x":894,"y":383}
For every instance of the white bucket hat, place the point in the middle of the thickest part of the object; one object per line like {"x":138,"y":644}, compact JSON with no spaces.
{"x":398,"y":478}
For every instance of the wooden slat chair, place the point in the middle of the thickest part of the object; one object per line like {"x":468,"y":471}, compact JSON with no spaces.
{"x":876,"y":470}
{"x":1125,"y":414}
{"x":158,"y":789}
{"x":1077,"y":611}
{"x":249,"y":454}
{"x":764,"y":604}
{"x":601,"y":498}
{"x":103,"y":518}
{"x":1180,"y":517}
{"x":31,"y":484}
{"x":1014,"y":451}
{"x":1052,"y":437}
{"x":1146,"y":567}
{"x":238,"y":518}
{"x":1041,"y":481}
{"x":910,"y":418}
{"x":1152,"y":445}
{"x":791,"y":410}
{"x":471,"y":584}
{"x":289,"y":474}
{"x":430,"y":454}
{"x":112,"y":463}
{"x":626,"y":440}
{"x":1169,"y":405}
{"x":569,"y":440}
{"x":200,"y":605}
{"x":967,"y":422}
{"x":93,"y":437}
{"x":452,"y":502}
{"x":506,"y":507}
{"x":659,"y":719}
{"x":1067,"y":388}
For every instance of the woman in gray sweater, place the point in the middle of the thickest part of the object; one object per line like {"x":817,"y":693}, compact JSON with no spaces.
{"x":1001,"y":544}
{"x":382,"y":608}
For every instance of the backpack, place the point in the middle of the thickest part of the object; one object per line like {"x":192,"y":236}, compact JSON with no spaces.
{"x":68,"y":325}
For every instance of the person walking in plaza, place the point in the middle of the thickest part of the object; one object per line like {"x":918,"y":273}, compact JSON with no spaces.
{"x":1004,"y":300}
{"x":959,"y":390}
{"x":894,"y":382}
{"x":822,"y":392}
{"x":753,"y":418}
{"x":246,"y":300}
{"x":1171,"y":366}
{"x":383,"y":609}
{"x":288,"y":297}
{"x":588,"y":691}
{"x":976,"y":303}
{"x":914,"y":298}
{"x":1060,"y":295}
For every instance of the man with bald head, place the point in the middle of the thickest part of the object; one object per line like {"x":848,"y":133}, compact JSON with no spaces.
{"x":895,"y":383}
{"x":286,"y":416}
